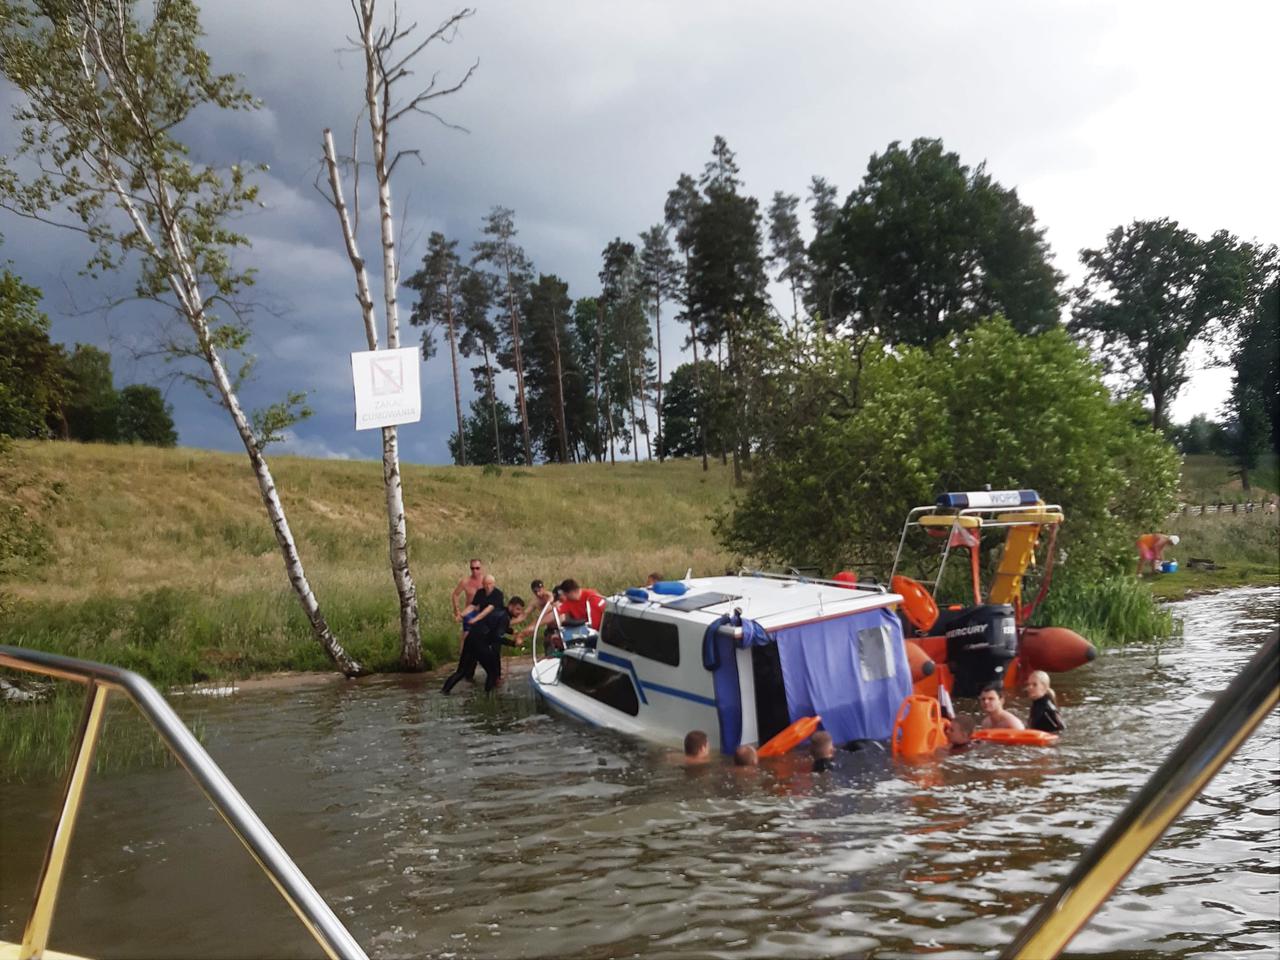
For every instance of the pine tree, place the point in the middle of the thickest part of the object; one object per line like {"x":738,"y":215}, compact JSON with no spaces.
{"x":438,"y":283}
{"x":821,"y":287}
{"x":480,"y":335}
{"x":626,"y":337}
{"x":550,"y":365}
{"x":727,"y":282}
{"x":514,"y":271}
{"x":660,"y":276}
{"x":683,"y":203}
{"x":787,"y":251}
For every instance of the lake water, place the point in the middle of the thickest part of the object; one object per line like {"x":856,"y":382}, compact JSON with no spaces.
{"x":459,"y":828}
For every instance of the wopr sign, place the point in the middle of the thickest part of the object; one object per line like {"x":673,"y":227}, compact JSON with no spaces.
{"x":387,"y":387}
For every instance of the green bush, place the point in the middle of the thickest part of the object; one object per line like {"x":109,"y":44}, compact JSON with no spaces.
{"x":1109,"y":611}
{"x":871,"y":433}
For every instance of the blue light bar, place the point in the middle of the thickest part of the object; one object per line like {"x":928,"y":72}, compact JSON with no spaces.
{"x":978,"y":499}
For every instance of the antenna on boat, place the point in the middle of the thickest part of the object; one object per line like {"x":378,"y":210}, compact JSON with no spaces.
{"x":688,"y":574}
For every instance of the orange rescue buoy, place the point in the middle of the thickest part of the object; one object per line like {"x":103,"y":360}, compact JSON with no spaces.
{"x":918,"y":729}
{"x":790,"y":738}
{"x":917,"y":603}
{"x":1031,"y":738}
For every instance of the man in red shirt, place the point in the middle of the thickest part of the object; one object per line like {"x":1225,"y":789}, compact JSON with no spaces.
{"x":580,"y":606}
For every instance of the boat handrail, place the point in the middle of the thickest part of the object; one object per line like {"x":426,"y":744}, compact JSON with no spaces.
{"x":797,"y":577}
{"x":1183,"y":776}
{"x":101,"y":680}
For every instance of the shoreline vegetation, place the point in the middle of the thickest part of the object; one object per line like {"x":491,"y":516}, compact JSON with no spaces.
{"x":159,"y":561}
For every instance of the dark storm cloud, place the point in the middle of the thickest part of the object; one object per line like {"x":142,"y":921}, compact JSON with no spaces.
{"x":582,"y":115}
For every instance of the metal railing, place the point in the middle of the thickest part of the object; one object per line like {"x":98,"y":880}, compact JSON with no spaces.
{"x":100,"y":680}
{"x":1180,"y":779}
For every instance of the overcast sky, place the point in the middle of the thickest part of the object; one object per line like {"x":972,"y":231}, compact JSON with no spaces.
{"x":582,"y":115}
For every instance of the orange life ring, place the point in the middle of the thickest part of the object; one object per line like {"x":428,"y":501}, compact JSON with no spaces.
{"x":790,"y":738}
{"x":1031,"y":738}
{"x":917,"y":604}
{"x":919,"y":727}
{"x":921,"y":663}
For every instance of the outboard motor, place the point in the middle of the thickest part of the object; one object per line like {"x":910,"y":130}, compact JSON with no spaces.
{"x":981,"y":641}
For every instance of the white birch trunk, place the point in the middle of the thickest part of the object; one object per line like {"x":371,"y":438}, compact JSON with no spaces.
{"x":397,"y":533}
{"x":186,"y":288}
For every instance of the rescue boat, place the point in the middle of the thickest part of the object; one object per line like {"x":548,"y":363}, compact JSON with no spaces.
{"x":964,"y":647}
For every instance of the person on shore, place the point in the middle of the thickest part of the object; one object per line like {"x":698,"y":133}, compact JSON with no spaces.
{"x":466,"y":589}
{"x":652,"y":579}
{"x":823,"y":750}
{"x":697,"y":748}
{"x":541,"y":597}
{"x":1151,"y":548}
{"x":483,"y":646}
{"x":995,"y":716}
{"x":745,"y":756}
{"x":1044,"y":705}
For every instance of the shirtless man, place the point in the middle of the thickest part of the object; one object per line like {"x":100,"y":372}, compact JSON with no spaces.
{"x":995,"y":716}
{"x":541,"y":597}
{"x":467,"y":587}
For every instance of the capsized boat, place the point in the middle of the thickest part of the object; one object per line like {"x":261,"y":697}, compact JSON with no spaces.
{"x":741,"y":658}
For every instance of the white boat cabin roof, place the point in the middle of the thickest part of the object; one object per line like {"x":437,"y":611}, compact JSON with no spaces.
{"x":772,"y":601}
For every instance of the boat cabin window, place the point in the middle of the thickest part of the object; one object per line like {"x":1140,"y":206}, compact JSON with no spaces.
{"x":611,"y":687}
{"x":875,"y":653}
{"x":655,"y":639}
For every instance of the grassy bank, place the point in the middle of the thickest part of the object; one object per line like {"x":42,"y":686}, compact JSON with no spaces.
{"x":162,"y":560}
{"x":1246,"y":546}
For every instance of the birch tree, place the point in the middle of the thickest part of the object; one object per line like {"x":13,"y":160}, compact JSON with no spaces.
{"x":104,"y":91}
{"x":389,"y":52}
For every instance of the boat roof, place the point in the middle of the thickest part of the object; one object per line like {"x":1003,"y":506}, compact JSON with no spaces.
{"x":772,"y":601}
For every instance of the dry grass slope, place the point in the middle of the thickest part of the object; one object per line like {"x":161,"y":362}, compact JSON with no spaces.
{"x":163,"y":559}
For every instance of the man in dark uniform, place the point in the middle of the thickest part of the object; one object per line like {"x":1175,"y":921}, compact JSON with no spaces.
{"x":483,"y":645}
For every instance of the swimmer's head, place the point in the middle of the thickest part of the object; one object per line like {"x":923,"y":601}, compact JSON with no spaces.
{"x":696,"y":745}
{"x":745,"y":756}
{"x":821,"y":745}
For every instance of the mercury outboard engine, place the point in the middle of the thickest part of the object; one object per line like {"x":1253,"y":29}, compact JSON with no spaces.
{"x":981,"y":641}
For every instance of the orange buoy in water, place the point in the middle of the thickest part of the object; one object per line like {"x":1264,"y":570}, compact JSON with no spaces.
{"x":922,"y":664}
{"x":918,"y":729}
{"x":917,"y":603}
{"x":1054,"y":649}
{"x":1031,"y":738}
{"x":790,"y":738}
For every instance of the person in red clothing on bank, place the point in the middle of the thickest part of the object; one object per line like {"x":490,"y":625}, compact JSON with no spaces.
{"x":581,"y":607}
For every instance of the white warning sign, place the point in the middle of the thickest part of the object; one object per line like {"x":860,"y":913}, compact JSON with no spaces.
{"x":387,"y":387}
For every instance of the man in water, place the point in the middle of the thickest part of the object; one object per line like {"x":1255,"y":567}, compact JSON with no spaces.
{"x":995,"y":716}
{"x":745,"y":756}
{"x":466,"y":589}
{"x":823,"y":750}
{"x":484,"y":603}
{"x":1151,"y":547}
{"x":697,"y":749}
{"x":483,"y":644}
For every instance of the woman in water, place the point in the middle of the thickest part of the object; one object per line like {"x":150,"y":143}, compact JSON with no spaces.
{"x":1044,"y":705}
